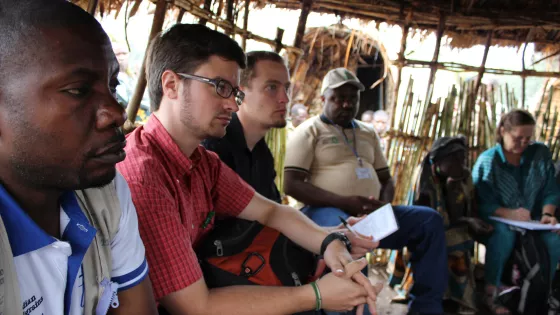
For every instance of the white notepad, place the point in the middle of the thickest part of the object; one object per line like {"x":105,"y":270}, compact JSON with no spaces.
{"x":528,"y":225}
{"x":379,"y":224}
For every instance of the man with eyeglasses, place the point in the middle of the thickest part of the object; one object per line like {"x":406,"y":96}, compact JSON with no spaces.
{"x":335,"y":165}
{"x":179,"y":188}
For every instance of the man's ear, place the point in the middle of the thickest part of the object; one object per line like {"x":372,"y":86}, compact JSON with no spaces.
{"x":170,"y":84}
{"x":323,"y":98}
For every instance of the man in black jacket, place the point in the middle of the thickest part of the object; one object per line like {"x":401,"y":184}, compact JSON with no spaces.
{"x":266,"y":83}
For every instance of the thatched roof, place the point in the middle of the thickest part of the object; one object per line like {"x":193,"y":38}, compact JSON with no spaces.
{"x":467,"y":22}
{"x":335,"y":46}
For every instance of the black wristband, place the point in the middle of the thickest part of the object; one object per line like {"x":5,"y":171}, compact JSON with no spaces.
{"x":546,"y":214}
{"x":335,"y":236}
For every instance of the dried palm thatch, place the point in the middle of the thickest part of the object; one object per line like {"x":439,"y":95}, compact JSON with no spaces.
{"x":326,"y":48}
{"x":467,"y":21}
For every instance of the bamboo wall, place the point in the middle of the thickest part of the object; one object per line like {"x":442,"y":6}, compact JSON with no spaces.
{"x":418,"y":124}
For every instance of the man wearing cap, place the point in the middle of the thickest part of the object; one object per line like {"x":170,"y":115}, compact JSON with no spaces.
{"x":335,"y":166}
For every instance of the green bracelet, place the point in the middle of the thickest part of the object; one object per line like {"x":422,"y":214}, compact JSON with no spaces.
{"x":319,"y":301}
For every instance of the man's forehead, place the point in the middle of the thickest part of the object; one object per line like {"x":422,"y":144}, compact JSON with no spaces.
{"x":268,"y":69}
{"x":77,"y":46}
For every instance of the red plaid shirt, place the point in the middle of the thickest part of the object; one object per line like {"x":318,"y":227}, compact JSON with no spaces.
{"x":173,"y":195}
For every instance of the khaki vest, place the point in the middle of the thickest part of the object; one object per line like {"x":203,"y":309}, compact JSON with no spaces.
{"x":101,"y":207}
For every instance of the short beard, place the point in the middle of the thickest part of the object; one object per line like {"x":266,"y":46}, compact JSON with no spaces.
{"x":278,"y":124}
{"x":44,"y":172}
{"x":188,"y":120}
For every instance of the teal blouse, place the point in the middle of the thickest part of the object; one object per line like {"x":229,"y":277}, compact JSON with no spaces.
{"x":530,"y":185}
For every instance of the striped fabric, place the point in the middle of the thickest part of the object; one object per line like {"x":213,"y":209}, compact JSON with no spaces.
{"x":530,"y":185}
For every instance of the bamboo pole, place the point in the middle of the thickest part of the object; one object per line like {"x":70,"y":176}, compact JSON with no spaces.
{"x":92,"y":6}
{"x":400,"y":64}
{"x":245,"y":24}
{"x":433,"y":70}
{"x":457,"y":67}
{"x":483,"y":63}
{"x":157,"y":24}
{"x":523,"y":77}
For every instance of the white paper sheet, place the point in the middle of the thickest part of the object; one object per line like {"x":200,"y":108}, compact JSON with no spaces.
{"x":528,"y":225}
{"x":379,"y":224}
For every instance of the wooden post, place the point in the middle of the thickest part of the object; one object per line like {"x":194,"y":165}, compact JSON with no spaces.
{"x":229,"y":17}
{"x":245,"y":24}
{"x":180,"y":16}
{"x":298,"y":41}
{"x":207,"y":5}
{"x":278,"y":40}
{"x":523,"y":77}
{"x":305,"y":9}
{"x":482,"y":68}
{"x":92,"y":6}
{"x":400,"y":64}
{"x":441,"y":28}
{"x":134,"y":104}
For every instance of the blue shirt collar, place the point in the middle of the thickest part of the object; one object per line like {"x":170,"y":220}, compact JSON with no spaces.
{"x":500,"y":152}
{"x":23,"y":233}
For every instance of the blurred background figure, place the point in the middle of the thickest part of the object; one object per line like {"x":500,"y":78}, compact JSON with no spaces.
{"x":367,"y":117}
{"x":299,"y":114}
{"x":127,"y":82}
{"x":381,"y":122}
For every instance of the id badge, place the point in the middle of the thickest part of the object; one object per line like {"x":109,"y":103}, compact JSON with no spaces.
{"x":108,"y":297}
{"x":363,"y":173}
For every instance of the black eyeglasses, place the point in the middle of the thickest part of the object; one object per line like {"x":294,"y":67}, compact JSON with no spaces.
{"x":223,"y":87}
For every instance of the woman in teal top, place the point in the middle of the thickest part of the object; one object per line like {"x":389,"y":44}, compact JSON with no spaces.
{"x":514,"y":180}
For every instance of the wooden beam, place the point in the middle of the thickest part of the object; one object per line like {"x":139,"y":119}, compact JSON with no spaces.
{"x":278,"y":40}
{"x":157,"y":24}
{"x":92,"y":6}
{"x":207,"y":5}
{"x":483,"y":63}
{"x":457,"y":67}
{"x":245,"y":24}
{"x":433,"y":70}
{"x":305,"y":10}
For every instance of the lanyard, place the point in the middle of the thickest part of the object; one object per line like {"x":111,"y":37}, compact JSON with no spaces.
{"x":353,"y":146}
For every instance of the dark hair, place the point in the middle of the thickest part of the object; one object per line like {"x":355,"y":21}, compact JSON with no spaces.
{"x":252,"y":58}
{"x":515,"y":118}
{"x":20,"y":25}
{"x":183,"y":48}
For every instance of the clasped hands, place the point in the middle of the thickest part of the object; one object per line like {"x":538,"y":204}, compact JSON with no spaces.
{"x":346,"y":277}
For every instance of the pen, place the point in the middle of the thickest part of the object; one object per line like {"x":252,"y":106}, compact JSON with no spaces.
{"x":346,"y":225}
